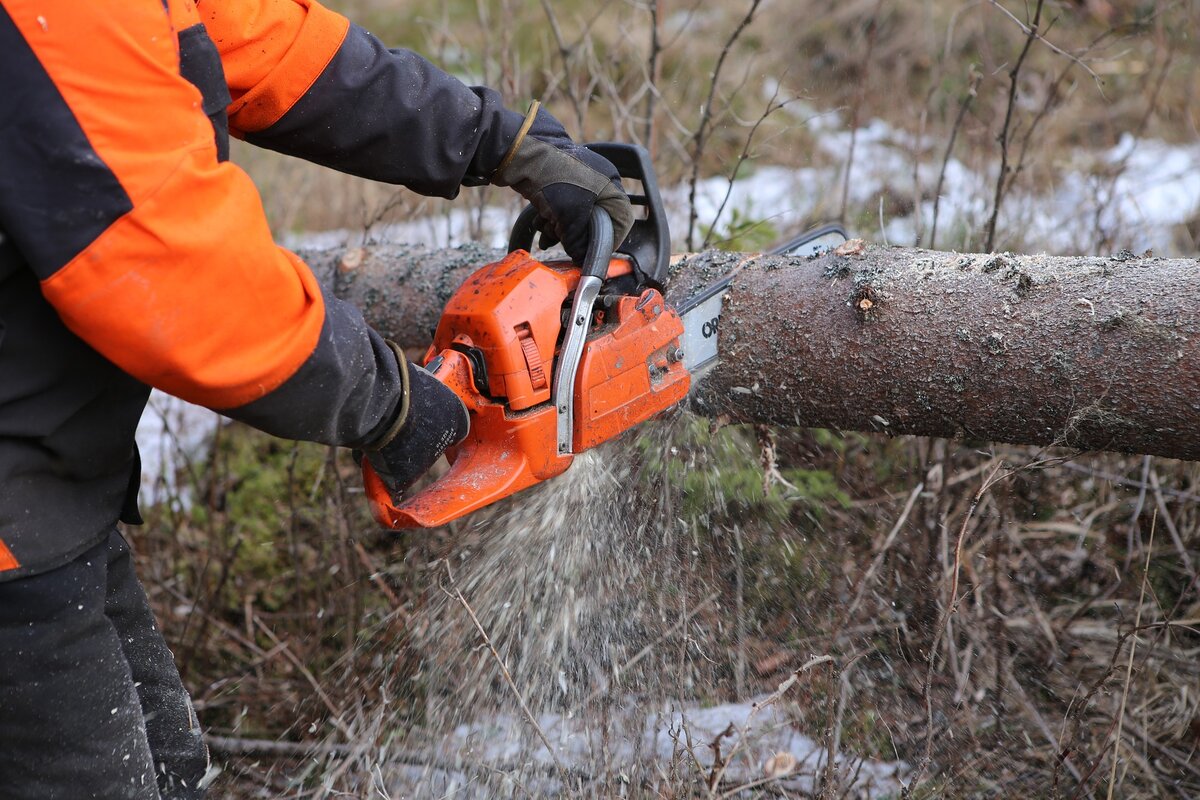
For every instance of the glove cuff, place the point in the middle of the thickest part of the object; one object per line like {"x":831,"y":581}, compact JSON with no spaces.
{"x":534,"y":107}
{"x":436,"y":421}
{"x":405,"y":400}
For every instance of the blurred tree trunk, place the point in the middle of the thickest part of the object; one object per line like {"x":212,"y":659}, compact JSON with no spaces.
{"x":1090,"y":353}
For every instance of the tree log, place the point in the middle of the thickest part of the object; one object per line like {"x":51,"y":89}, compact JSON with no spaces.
{"x":1085,"y":352}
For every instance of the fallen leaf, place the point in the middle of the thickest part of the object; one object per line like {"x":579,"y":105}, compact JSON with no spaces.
{"x":778,"y":765}
{"x":854,"y":247}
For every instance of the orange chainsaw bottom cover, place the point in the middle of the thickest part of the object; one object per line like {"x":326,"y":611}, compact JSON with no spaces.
{"x":509,"y":316}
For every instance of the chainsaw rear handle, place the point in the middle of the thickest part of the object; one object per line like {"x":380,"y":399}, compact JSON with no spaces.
{"x":648,"y":244}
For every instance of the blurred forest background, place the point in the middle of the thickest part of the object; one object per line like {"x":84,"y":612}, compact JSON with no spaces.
{"x":998,"y":620}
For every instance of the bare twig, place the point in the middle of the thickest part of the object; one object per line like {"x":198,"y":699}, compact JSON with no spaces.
{"x":308,"y":676}
{"x":740,"y":608}
{"x":1184,"y":557}
{"x":700,"y":137}
{"x":865,"y":583}
{"x":972,"y":93}
{"x":1121,"y":480}
{"x":943,"y":621}
{"x":1074,"y":718}
{"x":872,"y":35}
{"x":565,"y":52}
{"x":1112,"y":774}
{"x":718,"y":766}
{"x":1131,"y":530}
{"x":772,"y":106}
{"x":832,"y":773}
{"x":653,"y":68}
{"x":458,"y":595}
{"x":1039,"y":720}
{"x":766,"y":702}
{"x":240,"y":746}
{"x":1031,"y":34}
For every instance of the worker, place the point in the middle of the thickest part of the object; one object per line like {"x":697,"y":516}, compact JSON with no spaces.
{"x":133,"y":254}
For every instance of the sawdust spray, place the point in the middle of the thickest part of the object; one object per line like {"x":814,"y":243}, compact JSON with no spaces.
{"x":577,"y":583}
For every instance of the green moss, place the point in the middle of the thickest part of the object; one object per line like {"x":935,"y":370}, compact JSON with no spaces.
{"x":721,"y":476}
{"x":268,"y":499}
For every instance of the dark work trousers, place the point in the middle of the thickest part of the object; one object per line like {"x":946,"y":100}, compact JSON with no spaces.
{"x":91,"y":704}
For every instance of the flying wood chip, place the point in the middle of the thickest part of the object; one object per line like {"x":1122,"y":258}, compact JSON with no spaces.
{"x":854,"y":247}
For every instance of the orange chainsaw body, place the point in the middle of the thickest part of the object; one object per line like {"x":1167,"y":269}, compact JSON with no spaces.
{"x":496,"y":346}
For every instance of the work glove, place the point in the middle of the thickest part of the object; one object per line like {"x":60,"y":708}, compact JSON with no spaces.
{"x":563,"y":181}
{"x":431,"y":420}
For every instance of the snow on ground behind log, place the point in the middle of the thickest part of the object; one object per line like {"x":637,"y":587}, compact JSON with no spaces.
{"x":173,"y":437}
{"x":1136,"y":194}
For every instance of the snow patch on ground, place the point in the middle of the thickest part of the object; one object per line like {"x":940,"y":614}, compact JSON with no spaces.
{"x":173,"y":436}
{"x":1136,"y":193}
{"x":1151,"y":187}
{"x":773,"y":752}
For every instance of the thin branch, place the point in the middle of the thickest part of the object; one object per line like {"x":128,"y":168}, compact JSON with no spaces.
{"x":887,"y":543}
{"x":769,"y":700}
{"x":457,"y":595}
{"x":1014,"y":75}
{"x":308,"y":676}
{"x":1173,"y":530}
{"x":872,"y":36}
{"x":1112,"y":774}
{"x":772,"y":107}
{"x":240,"y":746}
{"x":944,"y":621}
{"x":1033,"y":34}
{"x":972,"y":93}
{"x":653,"y":69}
{"x":700,"y":138}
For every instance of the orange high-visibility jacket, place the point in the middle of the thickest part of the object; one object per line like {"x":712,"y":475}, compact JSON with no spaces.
{"x":133,"y":254}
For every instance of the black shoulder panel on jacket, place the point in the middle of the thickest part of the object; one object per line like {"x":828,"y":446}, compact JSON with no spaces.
{"x":200,"y":65}
{"x":56,"y":194}
{"x":390,"y":115}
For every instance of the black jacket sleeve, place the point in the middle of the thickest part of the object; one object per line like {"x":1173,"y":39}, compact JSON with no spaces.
{"x":392,"y":116}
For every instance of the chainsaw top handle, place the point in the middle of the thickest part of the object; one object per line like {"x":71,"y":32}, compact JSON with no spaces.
{"x":648,"y":244}
{"x":594,"y":270}
{"x":600,"y":245}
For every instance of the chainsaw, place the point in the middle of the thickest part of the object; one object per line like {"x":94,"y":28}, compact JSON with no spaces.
{"x":553,"y":358}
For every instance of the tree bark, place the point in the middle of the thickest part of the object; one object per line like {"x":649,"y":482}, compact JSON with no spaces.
{"x":1089,"y":353}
